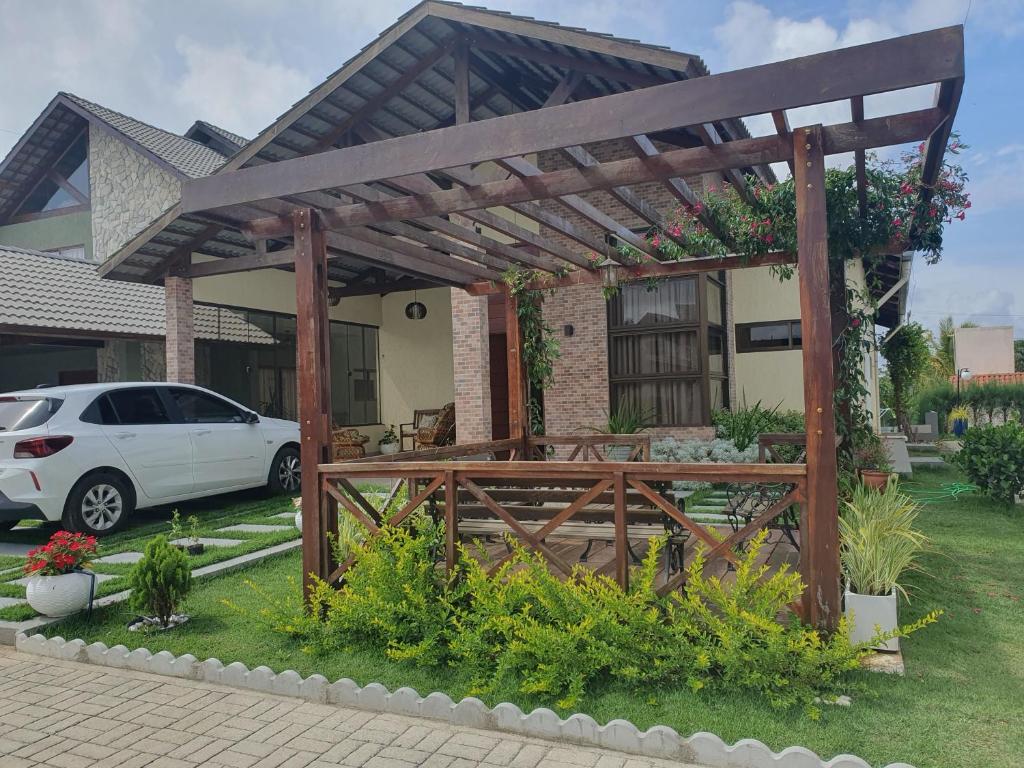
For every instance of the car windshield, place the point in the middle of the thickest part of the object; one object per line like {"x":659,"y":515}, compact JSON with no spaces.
{"x":26,"y":412}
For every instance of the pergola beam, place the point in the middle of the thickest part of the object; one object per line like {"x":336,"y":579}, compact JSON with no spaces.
{"x":860,"y":159}
{"x":782,"y":128}
{"x":888,"y":65}
{"x":710,"y":137}
{"x":912,"y":126}
{"x":642,"y":271}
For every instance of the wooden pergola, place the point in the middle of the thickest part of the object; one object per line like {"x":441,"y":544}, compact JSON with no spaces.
{"x":430,"y":222}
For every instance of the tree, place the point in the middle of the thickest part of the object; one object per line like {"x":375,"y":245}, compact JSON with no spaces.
{"x":1018,"y":355}
{"x":908,"y":356}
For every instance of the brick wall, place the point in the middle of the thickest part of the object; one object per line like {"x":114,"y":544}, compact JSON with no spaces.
{"x":580,"y":395}
{"x":472,"y":366}
{"x":181,"y":356}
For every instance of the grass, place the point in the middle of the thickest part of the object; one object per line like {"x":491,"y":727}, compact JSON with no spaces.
{"x":960,"y":705}
{"x":213,"y":513}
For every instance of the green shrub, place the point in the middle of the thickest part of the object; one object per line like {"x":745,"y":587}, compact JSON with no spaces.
{"x":161,"y":580}
{"x":742,"y":425}
{"x":393,"y":596}
{"x":993,"y":458}
{"x":526,"y":629}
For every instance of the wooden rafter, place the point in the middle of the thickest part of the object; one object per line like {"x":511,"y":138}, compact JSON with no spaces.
{"x":846,"y":137}
{"x":860,"y":158}
{"x":710,"y":137}
{"x":927,"y":57}
{"x":782,"y":128}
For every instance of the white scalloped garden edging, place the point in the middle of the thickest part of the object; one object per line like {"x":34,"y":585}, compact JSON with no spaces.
{"x":657,"y":741}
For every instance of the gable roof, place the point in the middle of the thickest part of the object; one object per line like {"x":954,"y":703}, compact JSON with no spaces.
{"x":64,"y":119}
{"x":44,"y":292}
{"x":215,"y":137}
{"x":403,"y":82}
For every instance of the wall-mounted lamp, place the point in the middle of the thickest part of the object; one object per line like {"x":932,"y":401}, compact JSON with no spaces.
{"x":568,"y":330}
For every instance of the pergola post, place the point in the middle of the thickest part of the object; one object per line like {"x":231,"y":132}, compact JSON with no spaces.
{"x":518,"y":415}
{"x":319,"y":512}
{"x":180,"y":330}
{"x":819,"y":551}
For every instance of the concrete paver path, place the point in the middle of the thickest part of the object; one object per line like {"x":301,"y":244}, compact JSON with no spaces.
{"x":71,"y":715}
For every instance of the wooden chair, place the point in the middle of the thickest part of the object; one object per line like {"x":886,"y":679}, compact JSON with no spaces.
{"x":348,"y":443}
{"x":422,"y":417}
{"x":441,"y":431}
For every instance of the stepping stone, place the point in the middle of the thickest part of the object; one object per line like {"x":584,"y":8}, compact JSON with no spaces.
{"x":16,"y":549}
{"x":256,"y":528}
{"x":927,"y":461}
{"x":210,"y":542}
{"x":284,"y":515}
{"x":8,"y":601}
{"x":120,"y":557}
{"x":100,"y":577}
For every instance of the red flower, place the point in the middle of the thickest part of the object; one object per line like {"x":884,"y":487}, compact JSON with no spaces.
{"x":897,"y":222}
{"x":855,"y":322}
{"x":962,"y":215}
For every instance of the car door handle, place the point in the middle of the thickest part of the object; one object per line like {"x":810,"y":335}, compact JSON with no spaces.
{"x":124,"y":435}
{"x":201,"y":432}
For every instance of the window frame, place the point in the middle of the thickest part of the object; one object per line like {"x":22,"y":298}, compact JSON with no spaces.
{"x":703,"y":327}
{"x":743,"y":347}
{"x":81,"y":196}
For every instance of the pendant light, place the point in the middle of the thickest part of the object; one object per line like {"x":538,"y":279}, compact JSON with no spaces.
{"x":415,"y":310}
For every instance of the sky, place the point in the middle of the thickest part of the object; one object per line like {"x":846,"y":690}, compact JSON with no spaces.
{"x":241,"y":63}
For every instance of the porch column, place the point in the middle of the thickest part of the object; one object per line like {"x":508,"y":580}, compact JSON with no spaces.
{"x":181,"y":353}
{"x":819,"y":551}
{"x":312,"y":341}
{"x":518,"y":413}
{"x":472,"y":356}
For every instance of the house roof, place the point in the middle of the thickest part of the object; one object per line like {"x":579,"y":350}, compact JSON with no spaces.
{"x":65,"y":118}
{"x":403,"y":82}
{"x":991,"y":378}
{"x":215,"y":137}
{"x":45,"y":293}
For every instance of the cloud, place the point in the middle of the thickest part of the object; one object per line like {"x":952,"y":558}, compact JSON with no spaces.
{"x":231,"y":87}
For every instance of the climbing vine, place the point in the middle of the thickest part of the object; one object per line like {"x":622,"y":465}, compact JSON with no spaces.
{"x":540,"y":348}
{"x":897,"y":217}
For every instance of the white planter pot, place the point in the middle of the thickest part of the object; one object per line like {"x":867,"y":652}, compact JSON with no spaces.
{"x":56,"y":596}
{"x":388,"y":448}
{"x":298,"y":518}
{"x":864,"y":612}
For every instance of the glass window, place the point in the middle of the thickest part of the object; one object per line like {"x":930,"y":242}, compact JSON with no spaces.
{"x":25,"y":413}
{"x":716,"y":302}
{"x":200,"y":408}
{"x":765,"y":337}
{"x":716,"y":351}
{"x":72,"y":168}
{"x":99,"y":412}
{"x":141,"y":405}
{"x":671,"y":302}
{"x":354,"y":374}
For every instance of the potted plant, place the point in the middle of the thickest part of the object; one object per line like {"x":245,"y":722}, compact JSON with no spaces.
{"x":57,"y":583}
{"x":958,"y":423}
{"x":627,"y":418}
{"x":872,"y":462}
{"x":389,"y":443}
{"x":160,"y":581}
{"x":878,"y":544}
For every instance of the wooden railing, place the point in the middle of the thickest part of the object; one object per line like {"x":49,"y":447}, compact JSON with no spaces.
{"x":592,"y":447}
{"x":627,"y":485}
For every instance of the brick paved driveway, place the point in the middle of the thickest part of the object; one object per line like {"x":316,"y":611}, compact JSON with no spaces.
{"x":71,"y":715}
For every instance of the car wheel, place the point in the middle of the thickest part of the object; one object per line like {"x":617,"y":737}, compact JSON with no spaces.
{"x":285,"y":472}
{"x":98,"y":505}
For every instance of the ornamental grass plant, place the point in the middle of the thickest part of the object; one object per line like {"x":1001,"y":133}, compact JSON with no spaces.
{"x":878,"y":540}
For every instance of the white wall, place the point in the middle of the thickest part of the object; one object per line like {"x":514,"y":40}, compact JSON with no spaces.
{"x":984,"y":350}
{"x":771,"y":377}
{"x":416,"y":362}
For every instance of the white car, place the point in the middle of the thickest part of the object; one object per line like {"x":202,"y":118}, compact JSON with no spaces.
{"x":89,"y":455}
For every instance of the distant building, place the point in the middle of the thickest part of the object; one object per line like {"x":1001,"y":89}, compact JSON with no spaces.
{"x":984,"y":350}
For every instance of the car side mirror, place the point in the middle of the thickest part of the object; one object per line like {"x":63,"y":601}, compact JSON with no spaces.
{"x":251,"y":418}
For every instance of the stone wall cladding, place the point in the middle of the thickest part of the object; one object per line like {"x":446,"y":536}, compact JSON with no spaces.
{"x":658,"y":741}
{"x":154,"y":361}
{"x":472,"y":365}
{"x":181,"y":353}
{"x":127,"y":192}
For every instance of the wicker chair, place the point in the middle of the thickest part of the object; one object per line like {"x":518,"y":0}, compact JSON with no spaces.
{"x":348,"y":443}
{"x":421,"y":417}
{"x":441,"y":432}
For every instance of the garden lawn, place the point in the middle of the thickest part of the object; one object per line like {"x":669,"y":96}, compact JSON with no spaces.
{"x":960,"y":705}
{"x":213,"y":513}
